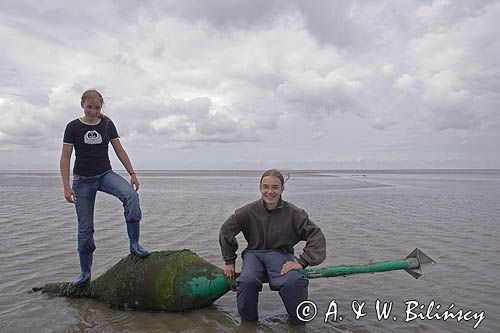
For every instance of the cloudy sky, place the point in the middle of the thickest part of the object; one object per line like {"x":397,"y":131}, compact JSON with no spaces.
{"x":214,"y":84}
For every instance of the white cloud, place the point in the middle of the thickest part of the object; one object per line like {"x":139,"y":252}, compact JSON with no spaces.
{"x":405,"y":84}
{"x":237,"y":75}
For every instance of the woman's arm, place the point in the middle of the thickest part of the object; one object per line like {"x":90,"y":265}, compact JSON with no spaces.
{"x":64,"y":165}
{"x":123,"y":157}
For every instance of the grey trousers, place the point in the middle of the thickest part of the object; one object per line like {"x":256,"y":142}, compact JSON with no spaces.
{"x":259,"y":266}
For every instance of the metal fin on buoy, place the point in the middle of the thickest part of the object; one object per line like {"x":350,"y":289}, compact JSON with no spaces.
{"x":425,"y":262}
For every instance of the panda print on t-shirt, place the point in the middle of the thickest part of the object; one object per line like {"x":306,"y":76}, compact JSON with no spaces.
{"x":92,"y":138}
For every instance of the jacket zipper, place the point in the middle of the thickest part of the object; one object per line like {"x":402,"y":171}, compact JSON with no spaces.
{"x":268,"y":232}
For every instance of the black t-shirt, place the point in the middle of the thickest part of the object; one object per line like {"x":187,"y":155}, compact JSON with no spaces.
{"x":91,"y":145}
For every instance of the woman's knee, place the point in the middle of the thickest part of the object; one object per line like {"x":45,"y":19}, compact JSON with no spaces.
{"x":130,"y":196}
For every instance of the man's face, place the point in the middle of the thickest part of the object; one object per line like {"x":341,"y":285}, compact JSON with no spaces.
{"x":271,"y":189}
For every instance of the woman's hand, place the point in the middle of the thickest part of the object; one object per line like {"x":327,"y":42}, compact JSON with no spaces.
{"x":134,"y":181}
{"x":229,"y":271}
{"x":69,"y":194}
{"x":290,"y":265}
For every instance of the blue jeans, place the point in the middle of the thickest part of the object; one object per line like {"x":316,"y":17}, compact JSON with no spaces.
{"x":259,"y":265}
{"x":85,"y":191}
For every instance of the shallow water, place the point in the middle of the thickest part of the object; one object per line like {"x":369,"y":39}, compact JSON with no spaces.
{"x":453,"y":216}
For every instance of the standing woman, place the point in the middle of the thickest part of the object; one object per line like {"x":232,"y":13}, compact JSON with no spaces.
{"x":90,"y":135}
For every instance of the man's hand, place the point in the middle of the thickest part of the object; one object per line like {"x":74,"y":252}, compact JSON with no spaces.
{"x":229,"y":271}
{"x":290,"y":265}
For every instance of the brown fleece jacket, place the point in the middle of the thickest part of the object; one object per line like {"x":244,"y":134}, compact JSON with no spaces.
{"x":279,"y":229}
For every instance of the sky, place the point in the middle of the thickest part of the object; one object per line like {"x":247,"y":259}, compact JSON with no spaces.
{"x":257,"y":84}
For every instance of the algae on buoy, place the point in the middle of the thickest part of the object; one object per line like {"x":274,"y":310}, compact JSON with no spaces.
{"x":164,"y":281}
{"x":181,"y":280}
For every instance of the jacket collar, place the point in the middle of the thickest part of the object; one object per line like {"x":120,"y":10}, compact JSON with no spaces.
{"x":280,"y":204}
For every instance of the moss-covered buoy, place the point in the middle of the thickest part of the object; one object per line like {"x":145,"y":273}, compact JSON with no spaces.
{"x":164,"y":281}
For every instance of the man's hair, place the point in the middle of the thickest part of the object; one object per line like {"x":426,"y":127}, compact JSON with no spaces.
{"x":275,"y":173}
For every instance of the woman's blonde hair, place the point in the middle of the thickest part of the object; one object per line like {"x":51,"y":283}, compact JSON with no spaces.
{"x":92,"y":93}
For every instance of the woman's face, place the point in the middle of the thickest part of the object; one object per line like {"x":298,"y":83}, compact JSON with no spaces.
{"x":92,"y":107}
{"x":271,"y":189}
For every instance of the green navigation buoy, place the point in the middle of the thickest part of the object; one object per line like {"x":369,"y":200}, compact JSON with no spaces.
{"x":181,"y":280}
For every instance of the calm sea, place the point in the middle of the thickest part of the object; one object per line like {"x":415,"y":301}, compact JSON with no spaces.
{"x":451,"y":215}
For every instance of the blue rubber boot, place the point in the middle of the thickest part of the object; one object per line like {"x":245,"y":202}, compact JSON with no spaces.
{"x":85,"y":265}
{"x":133,"y":230}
